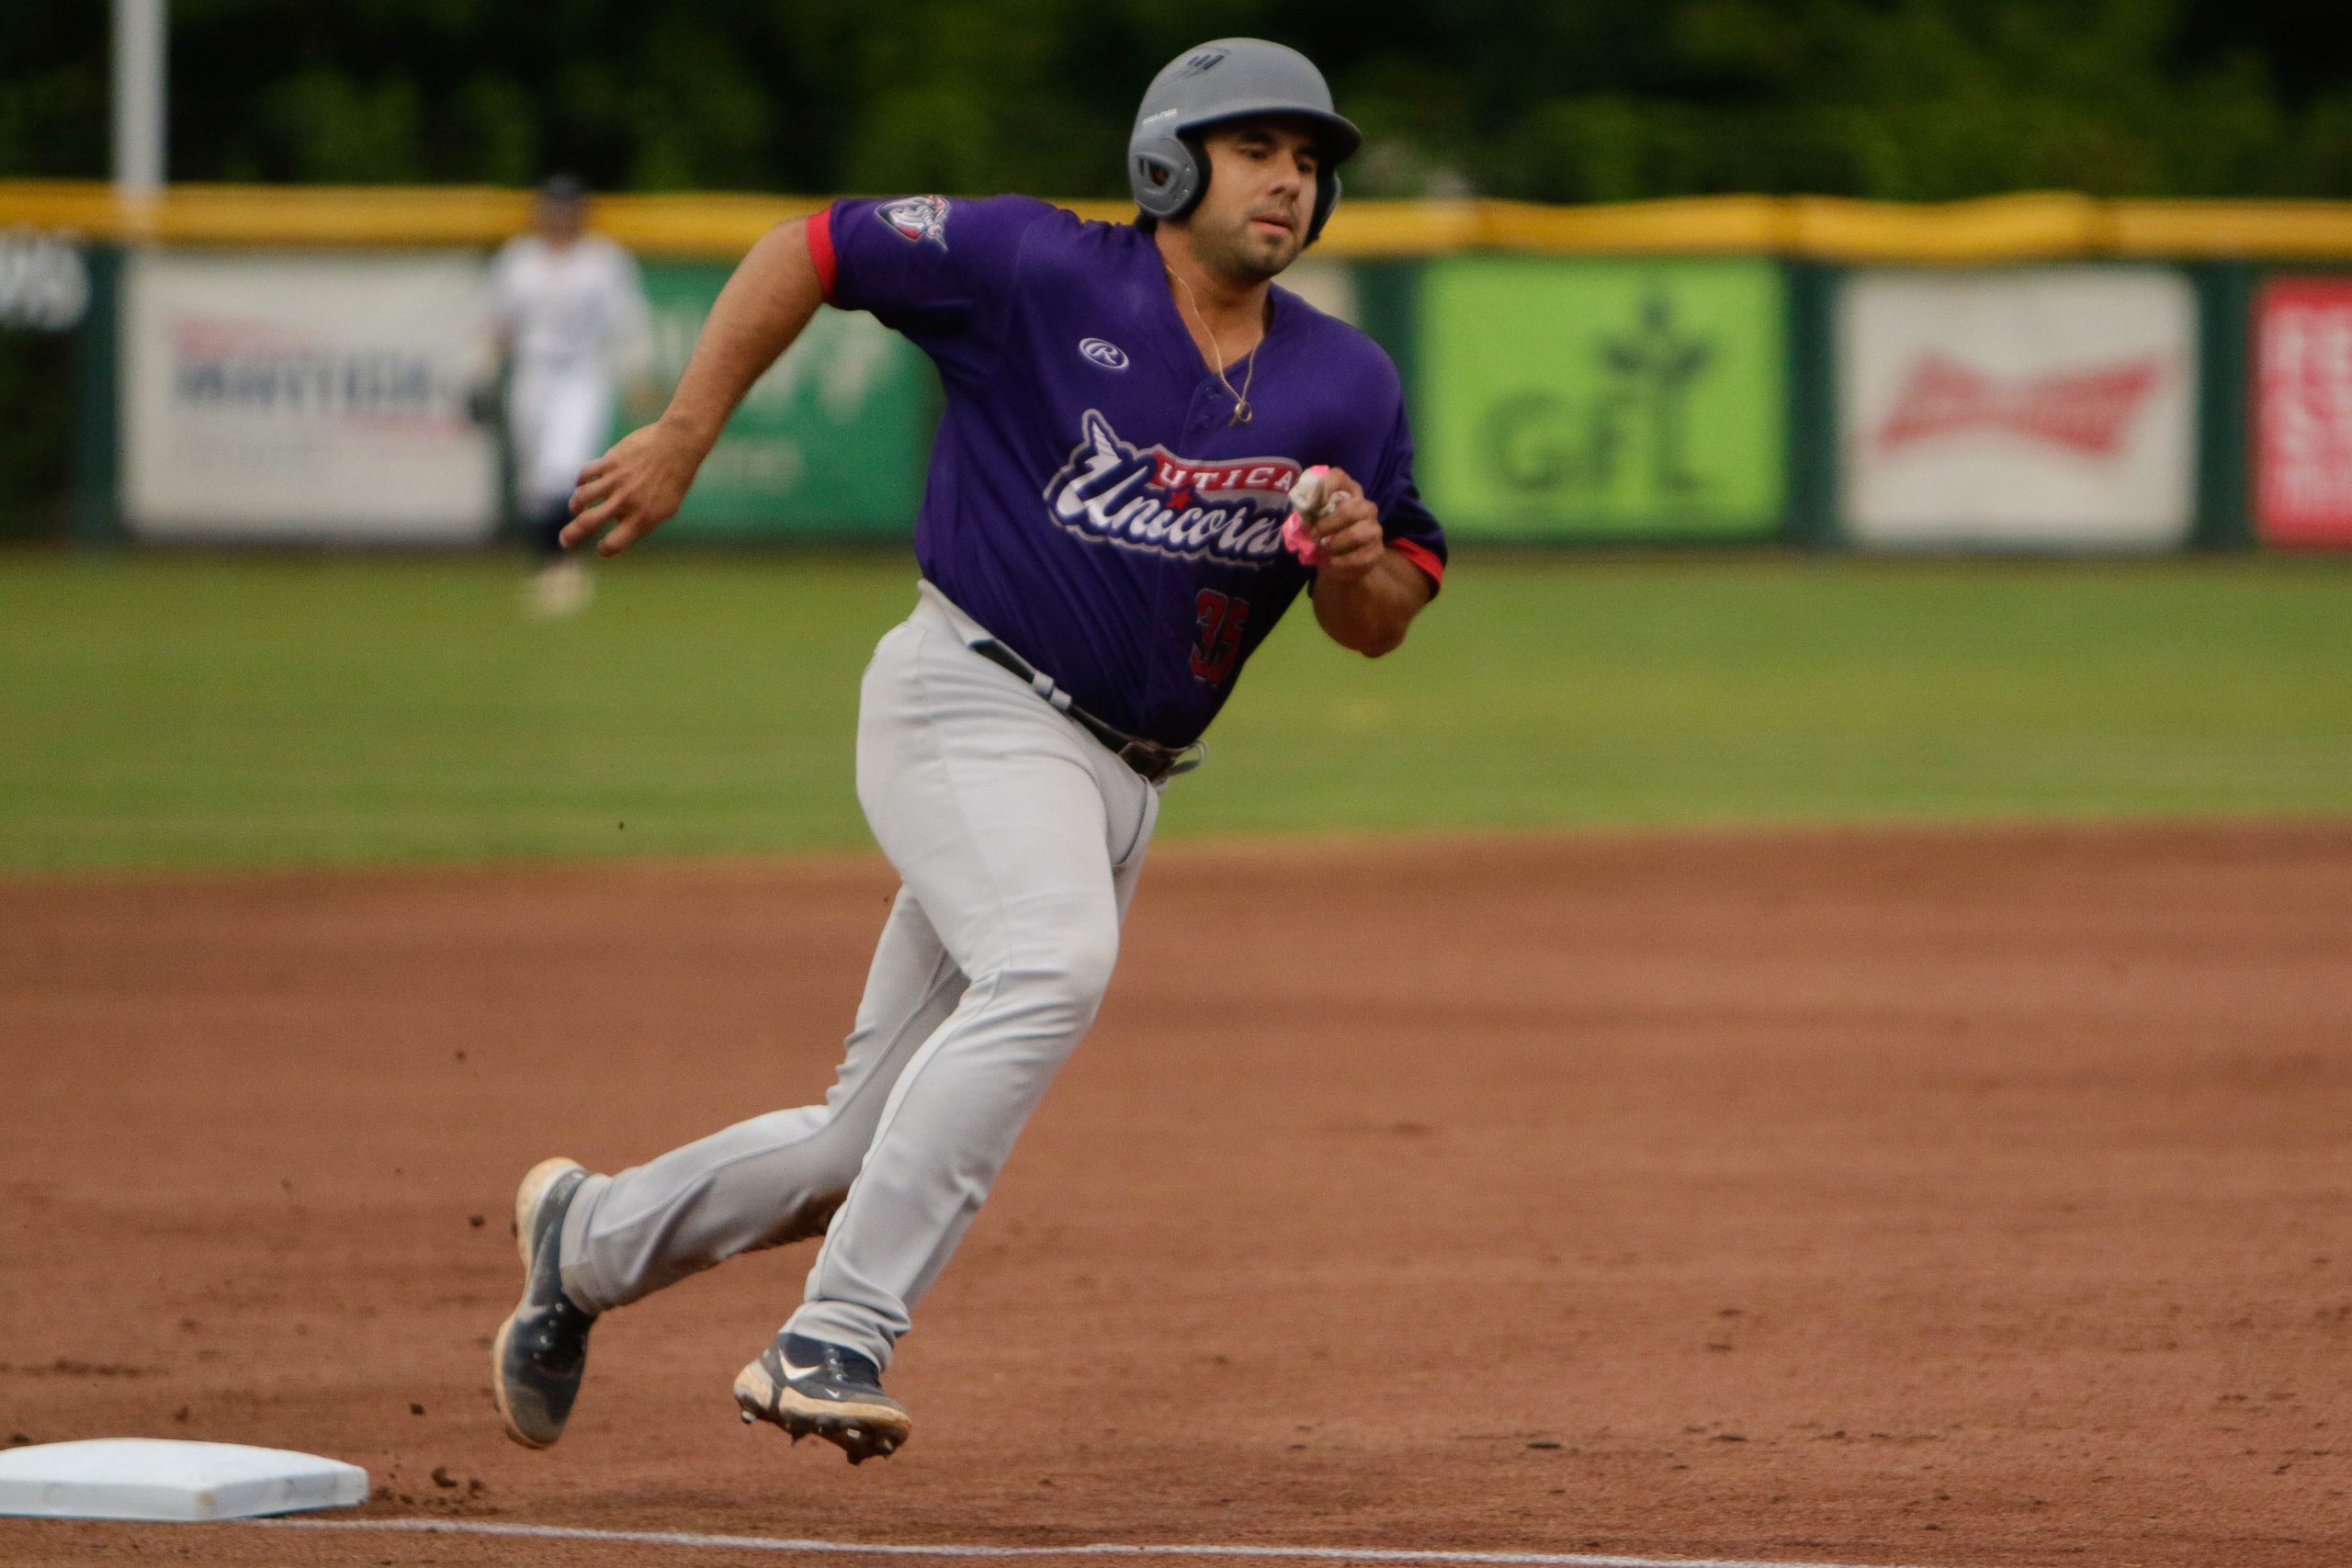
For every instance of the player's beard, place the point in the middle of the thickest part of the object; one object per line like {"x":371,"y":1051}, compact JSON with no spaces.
{"x":1252,"y":255}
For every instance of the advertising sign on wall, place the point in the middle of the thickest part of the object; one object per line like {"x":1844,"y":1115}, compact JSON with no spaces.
{"x":2302,"y":412}
{"x":832,"y":441}
{"x":1592,"y":399}
{"x":2032,"y":406}
{"x":283,"y":397}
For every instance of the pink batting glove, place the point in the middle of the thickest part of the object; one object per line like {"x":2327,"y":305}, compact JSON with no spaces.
{"x":1308,"y":502}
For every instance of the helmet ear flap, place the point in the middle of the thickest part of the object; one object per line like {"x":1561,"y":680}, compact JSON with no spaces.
{"x":1169,"y":175}
{"x":1327,"y":197}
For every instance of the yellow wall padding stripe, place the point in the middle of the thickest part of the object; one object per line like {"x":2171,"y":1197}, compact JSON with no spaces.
{"x":2314,"y":229}
{"x":1997,"y":228}
{"x":2025,"y":227}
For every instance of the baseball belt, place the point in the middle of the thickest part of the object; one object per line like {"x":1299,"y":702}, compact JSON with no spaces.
{"x":1147,"y":758}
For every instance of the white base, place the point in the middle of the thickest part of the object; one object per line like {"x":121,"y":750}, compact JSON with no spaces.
{"x":155,"y":1478}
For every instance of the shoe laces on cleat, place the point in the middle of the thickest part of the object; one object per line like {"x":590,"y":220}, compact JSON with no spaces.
{"x":556,"y":1336}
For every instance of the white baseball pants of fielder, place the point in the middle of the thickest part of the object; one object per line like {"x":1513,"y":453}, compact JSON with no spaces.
{"x":559,"y":418}
{"x":1018,"y":839}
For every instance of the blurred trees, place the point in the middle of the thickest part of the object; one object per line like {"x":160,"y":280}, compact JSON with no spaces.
{"x":1553,"y":99}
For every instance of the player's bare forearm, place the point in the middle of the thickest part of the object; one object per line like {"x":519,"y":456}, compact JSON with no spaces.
{"x":764,"y":306}
{"x":640,"y":483}
{"x":1369,"y":613}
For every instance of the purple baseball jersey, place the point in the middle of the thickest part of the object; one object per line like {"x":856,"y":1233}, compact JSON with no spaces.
{"x":1090,"y":500}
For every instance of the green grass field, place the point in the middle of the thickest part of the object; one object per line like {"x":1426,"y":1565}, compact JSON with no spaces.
{"x":236,"y":710}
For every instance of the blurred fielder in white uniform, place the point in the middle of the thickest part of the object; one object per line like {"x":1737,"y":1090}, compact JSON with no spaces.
{"x":569,"y":317}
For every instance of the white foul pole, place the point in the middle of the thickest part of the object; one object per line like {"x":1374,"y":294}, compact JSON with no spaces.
{"x":140,"y":75}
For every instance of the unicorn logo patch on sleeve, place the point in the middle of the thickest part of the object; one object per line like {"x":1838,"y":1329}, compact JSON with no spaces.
{"x":917,"y":217}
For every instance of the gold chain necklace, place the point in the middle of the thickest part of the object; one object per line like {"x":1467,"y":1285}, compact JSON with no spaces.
{"x":1248,"y":366}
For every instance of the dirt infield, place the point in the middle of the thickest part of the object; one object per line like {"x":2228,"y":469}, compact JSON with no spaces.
{"x":1933,"y":1197}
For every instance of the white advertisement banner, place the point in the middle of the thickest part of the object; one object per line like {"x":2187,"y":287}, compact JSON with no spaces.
{"x":2038,"y":408}
{"x":299,"y":396}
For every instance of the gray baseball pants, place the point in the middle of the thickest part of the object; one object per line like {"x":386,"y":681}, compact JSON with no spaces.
{"x":1017,"y":838}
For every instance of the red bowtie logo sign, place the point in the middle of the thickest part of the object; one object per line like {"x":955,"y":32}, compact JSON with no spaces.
{"x":2082,"y":410}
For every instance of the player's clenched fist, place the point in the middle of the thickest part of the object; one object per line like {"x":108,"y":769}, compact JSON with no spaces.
{"x":1348,"y":530}
{"x":633,"y":488}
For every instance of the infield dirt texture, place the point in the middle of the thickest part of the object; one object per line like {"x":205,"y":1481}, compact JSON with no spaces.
{"x":1964,"y":1195}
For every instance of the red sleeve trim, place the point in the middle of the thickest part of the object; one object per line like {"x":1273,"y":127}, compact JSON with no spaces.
{"x":1423,"y":556}
{"x":821,"y":250}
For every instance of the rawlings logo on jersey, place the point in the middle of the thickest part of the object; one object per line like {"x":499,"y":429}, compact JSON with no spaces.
{"x":1148,"y":498}
{"x":917,"y":217}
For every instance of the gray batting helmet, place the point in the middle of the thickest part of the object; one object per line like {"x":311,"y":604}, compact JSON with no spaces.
{"x":1228,"y":79}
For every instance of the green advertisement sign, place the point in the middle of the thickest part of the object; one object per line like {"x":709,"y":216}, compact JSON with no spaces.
{"x":829,"y":443}
{"x":1597,"y":400}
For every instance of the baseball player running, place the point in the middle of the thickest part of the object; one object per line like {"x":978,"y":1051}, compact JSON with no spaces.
{"x":1102,"y":546}
{"x":568,"y":314}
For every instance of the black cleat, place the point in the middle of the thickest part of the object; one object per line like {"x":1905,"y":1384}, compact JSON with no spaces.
{"x":537,"y":1360}
{"x":807,"y":1385}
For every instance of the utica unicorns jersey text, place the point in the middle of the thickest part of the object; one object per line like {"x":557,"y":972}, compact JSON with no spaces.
{"x":1151,"y":498}
{"x":1091,"y":499}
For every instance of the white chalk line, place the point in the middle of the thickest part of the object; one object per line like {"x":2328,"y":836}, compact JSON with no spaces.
{"x":1097,"y":1549}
